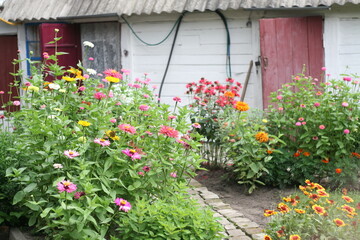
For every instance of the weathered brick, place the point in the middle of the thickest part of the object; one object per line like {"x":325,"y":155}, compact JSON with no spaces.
{"x":251,"y":231}
{"x":231,"y":213}
{"x":235,"y":233}
{"x":248,"y":225}
{"x":258,"y":236}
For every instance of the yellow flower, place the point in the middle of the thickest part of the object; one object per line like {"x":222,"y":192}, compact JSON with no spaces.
{"x":262,"y":137}
{"x":33,"y":88}
{"x":294,"y":237}
{"x":84,"y":123}
{"x":318,"y":209}
{"x":112,"y":135}
{"x":264,"y":120}
{"x":112,"y":79}
{"x":68,"y":79}
{"x":229,"y":94}
{"x":299,"y":210}
{"x":339,"y":222}
{"x":241,"y":106}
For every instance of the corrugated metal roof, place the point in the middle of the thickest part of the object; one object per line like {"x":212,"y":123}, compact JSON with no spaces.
{"x":27,"y":10}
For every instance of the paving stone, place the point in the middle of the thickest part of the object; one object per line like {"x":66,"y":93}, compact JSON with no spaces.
{"x":230,"y":226}
{"x":192,"y":192}
{"x":195,"y":183}
{"x":251,"y":231}
{"x":258,"y":236}
{"x":235,"y":233}
{"x":216,"y":214}
{"x":224,"y":221}
{"x":240,"y":220}
{"x":201,"y":189}
{"x":230,"y":213}
{"x":220,"y":205}
{"x":240,"y":238}
{"x":248,"y":225}
{"x":208,"y":195}
{"x":213,"y":200}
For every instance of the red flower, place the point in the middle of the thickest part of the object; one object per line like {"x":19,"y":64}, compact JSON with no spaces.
{"x":338,"y":170}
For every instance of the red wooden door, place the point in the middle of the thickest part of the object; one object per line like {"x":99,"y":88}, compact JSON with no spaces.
{"x":69,"y":42}
{"x":287,"y":45}
{"x":8,"y":50}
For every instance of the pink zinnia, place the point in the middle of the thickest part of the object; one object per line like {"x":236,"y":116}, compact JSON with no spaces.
{"x":322,"y":126}
{"x":144,"y":107}
{"x":280,"y":108}
{"x":27,"y":84}
{"x":173,"y":174}
{"x":2,"y":116}
{"x":123,"y":204}
{"x":2,"y":92}
{"x":102,"y":142}
{"x":131,"y":153}
{"x":91,"y":59}
{"x":78,"y":195}
{"x":127,"y":128}
{"x":346,"y":131}
{"x":141,"y":173}
{"x":301,"y":119}
{"x":99,"y":95}
{"x":177,"y":99}
{"x":67,"y":186}
{"x":348,"y":79}
{"x":279,"y":97}
{"x":169,"y":131}
{"x":298,"y":123}
{"x":146,"y":96}
{"x":196,"y":125}
{"x":16,"y":103}
{"x":315,"y":138}
{"x":316,"y":104}
{"x":71,"y":153}
{"x":345,"y":104}
{"x":146,"y":168}
{"x":302,"y":105}
{"x":323,"y":69}
{"x":171,"y":117}
{"x":136,"y":85}
{"x":303,"y":123}
{"x":113,"y":120}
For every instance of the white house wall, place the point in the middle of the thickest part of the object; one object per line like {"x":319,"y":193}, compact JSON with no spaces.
{"x":200,"y":51}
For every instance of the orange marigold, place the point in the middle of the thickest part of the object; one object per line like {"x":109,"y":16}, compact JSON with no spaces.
{"x":355,"y":154}
{"x":241,"y":106}
{"x":306,"y":154}
{"x":262,"y":137}
{"x":338,"y":170}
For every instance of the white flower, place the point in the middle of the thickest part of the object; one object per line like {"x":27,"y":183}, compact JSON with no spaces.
{"x":58,"y":165}
{"x":62,"y":90}
{"x":91,"y":71}
{"x":52,"y":116}
{"x":54,"y":86}
{"x":88,"y":44}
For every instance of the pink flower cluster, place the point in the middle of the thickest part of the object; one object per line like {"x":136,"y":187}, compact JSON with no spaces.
{"x":67,"y":186}
{"x":131,"y":153}
{"x":112,"y":73}
{"x":127,"y":128}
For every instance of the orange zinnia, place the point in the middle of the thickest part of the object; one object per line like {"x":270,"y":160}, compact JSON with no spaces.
{"x":319,"y":209}
{"x":229,"y":94}
{"x":306,"y":154}
{"x":326,"y":160}
{"x":262,"y":137}
{"x":241,"y":106}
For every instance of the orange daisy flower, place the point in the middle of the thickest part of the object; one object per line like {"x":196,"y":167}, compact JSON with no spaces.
{"x":314,"y":196}
{"x":283,"y":208}
{"x":267,"y":237}
{"x":241,"y":106}
{"x":319,"y":209}
{"x":348,"y":199}
{"x":229,"y":94}
{"x":294,"y":237}
{"x":339,"y":222}
{"x":268,"y":213}
{"x":338,"y":170}
{"x":348,"y":209}
{"x":301,"y":211}
{"x":322,"y":193}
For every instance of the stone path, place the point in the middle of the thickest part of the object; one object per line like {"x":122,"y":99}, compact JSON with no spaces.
{"x":237,"y":227}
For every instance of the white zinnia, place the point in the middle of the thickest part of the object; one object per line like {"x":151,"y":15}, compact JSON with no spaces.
{"x":54,"y":86}
{"x":91,"y":71}
{"x":58,"y":165}
{"x":88,"y":44}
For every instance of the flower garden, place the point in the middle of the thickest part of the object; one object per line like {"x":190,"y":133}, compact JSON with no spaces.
{"x":95,"y":156}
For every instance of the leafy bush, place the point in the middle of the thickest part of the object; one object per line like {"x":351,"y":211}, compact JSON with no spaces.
{"x":320,"y":125}
{"x":249,"y":146}
{"x":172,"y":218}
{"x":315,"y":215}
{"x":9,"y":215}
{"x":90,"y":139}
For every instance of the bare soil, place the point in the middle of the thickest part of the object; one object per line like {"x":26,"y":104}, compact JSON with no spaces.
{"x":251,"y":205}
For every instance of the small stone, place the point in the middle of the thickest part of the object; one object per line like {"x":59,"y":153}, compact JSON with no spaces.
{"x":251,"y":231}
{"x":224,"y":221}
{"x":230,"y":213}
{"x":229,"y":226}
{"x":258,"y":236}
{"x":240,"y":220}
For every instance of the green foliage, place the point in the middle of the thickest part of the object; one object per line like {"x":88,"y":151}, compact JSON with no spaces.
{"x":320,"y":125}
{"x":172,"y":218}
{"x":112,"y":140}
{"x":9,"y":215}
{"x":315,"y":214}
{"x":249,"y":146}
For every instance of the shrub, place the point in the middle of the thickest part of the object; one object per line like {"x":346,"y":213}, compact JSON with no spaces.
{"x":91,"y":139}
{"x":315,"y":215}
{"x":320,"y":125}
{"x":248,"y":146}
{"x":172,"y":218}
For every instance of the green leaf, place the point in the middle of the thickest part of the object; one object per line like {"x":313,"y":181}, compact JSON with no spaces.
{"x":18,"y":197}
{"x":254,"y":167}
{"x":30,"y":187}
{"x":45,"y":212}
